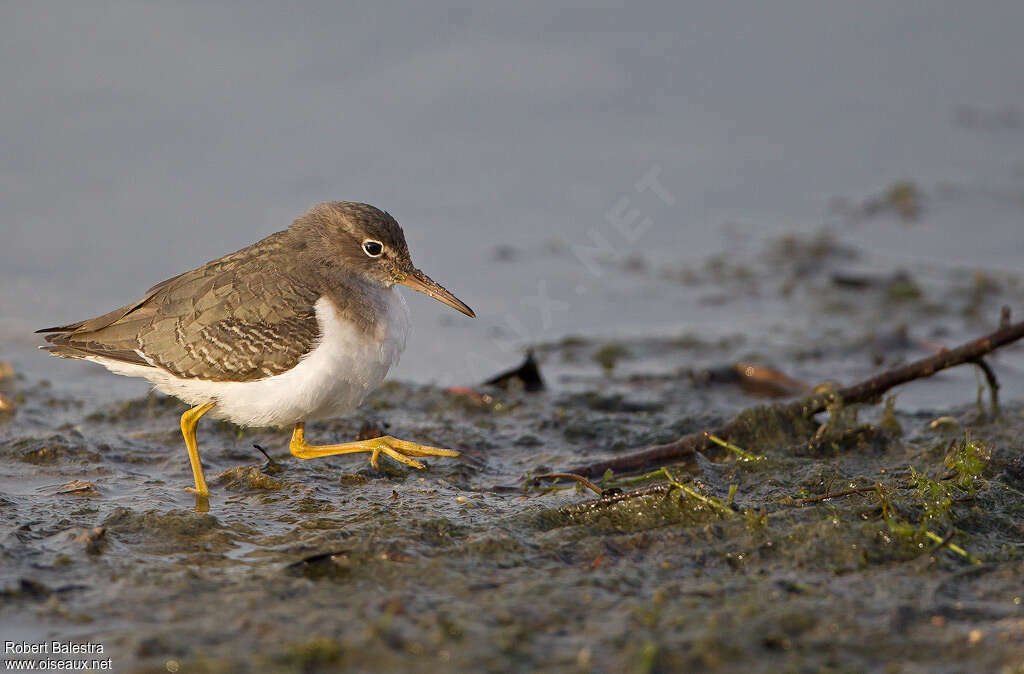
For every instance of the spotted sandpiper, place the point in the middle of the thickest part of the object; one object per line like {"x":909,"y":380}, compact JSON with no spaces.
{"x":298,"y":326}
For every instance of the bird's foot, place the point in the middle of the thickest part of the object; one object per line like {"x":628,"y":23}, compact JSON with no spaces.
{"x":202,"y":499}
{"x":401,"y":451}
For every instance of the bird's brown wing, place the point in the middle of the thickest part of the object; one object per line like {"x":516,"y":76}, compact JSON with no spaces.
{"x":243,"y":317}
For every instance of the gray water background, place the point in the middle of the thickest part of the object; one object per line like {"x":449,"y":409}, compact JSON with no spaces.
{"x":140,"y":140}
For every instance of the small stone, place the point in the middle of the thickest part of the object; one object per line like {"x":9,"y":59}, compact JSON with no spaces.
{"x":6,"y":404}
{"x":6,"y":370}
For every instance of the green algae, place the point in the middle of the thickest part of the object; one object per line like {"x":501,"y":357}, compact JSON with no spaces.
{"x":660,"y":507}
{"x":609,"y":355}
{"x":313,"y":655}
{"x":248,"y":478}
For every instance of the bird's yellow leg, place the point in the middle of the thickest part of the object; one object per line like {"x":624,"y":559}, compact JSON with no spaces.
{"x":188,"y":429}
{"x":399,"y":450}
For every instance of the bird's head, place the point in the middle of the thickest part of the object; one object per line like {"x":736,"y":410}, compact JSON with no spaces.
{"x":360,"y":239}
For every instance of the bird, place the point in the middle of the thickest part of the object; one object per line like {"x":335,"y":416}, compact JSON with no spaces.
{"x":300,"y":325}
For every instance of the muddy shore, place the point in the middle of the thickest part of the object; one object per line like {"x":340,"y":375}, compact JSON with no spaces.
{"x":469,"y":566}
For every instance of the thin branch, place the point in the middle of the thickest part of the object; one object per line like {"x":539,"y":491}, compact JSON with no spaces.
{"x":569,"y":476}
{"x":993,"y":384}
{"x":837,"y":494}
{"x":869,"y":390}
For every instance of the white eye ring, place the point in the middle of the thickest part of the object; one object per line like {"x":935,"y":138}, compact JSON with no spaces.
{"x":373,"y":248}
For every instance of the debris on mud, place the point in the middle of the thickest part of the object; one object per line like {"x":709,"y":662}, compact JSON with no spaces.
{"x":526,"y":376}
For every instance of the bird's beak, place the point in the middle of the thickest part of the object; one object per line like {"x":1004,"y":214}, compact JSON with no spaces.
{"x":419,"y":281}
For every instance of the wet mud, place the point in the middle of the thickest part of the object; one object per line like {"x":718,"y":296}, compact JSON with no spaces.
{"x":868,"y":536}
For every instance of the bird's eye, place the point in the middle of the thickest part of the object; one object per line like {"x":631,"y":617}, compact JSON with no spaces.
{"x":373,"y":248}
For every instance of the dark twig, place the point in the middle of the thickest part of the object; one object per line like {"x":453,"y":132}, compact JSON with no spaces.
{"x":869,"y":390}
{"x":993,"y":384}
{"x":569,"y":476}
{"x":264,"y":453}
{"x":270,"y":461}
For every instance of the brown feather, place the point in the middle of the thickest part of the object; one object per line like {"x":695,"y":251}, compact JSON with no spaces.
{"x":245,"y":316}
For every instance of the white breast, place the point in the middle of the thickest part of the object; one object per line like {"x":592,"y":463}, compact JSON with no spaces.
{"x":334,"y":378}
